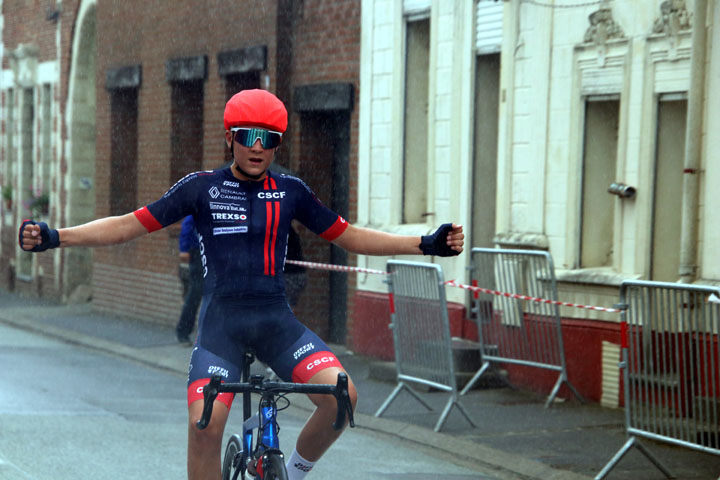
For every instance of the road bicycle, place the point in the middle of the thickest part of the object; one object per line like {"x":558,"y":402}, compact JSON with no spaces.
{"x":265,"y":456}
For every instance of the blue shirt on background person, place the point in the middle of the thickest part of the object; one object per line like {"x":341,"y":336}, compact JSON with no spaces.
{"x":188,"y":235}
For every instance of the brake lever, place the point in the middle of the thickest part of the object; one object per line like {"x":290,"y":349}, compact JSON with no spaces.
{"x":210,"y":392}
{"x":343,"y":400}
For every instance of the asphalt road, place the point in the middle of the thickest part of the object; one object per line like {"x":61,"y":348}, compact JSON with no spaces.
{"x":68,"y":412}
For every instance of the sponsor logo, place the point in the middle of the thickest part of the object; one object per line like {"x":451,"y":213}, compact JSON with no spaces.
{"x":228,"y":207}
{"x":302,"y":467}
{"x":319,"y":361}
{"x":214,"y":192}
{"x":303,"y":350}
{"x":227,"y":183}
{"x":213,"y":369}
{"x":229,"y":230}
{"x":271,"y":195}
{"x":229,"y":216}
{"x":180,"y":183}
{"x":240,"y":197}
{"x":203,"y":258}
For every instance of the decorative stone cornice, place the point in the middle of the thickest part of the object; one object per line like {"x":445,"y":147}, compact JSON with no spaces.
{"x":674,"y":18}
{"x":602,"y":29}
{"x":674,"y":23}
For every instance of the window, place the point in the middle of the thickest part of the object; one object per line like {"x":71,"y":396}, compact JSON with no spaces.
{"x":602,"y":116}
{"x":123,"y":150}
{"x":415,"y":155}
{"x":186,"y":137}
{"x":487,"y":81}
{"x":668,"y":187}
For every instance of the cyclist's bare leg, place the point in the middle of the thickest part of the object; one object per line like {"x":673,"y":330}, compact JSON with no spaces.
{"x":318,"y":435}
{"x":205,"y":446}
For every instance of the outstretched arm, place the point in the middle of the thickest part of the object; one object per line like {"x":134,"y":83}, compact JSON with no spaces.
{"x":101,"y":232}
{"x":366,"y":241}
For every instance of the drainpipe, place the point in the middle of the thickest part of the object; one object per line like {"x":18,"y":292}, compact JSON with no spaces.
{"x":693,"y":147}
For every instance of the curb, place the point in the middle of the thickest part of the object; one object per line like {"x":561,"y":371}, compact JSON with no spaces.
{"x":507,"y":465}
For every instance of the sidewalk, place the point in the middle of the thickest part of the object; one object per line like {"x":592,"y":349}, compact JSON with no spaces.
{"x":515,"y":437}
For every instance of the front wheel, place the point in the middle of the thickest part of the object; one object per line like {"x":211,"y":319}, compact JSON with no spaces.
{"x":274,"y":468}
{"x":232,"y":462}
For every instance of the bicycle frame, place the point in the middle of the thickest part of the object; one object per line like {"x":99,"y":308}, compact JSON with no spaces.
{"x":266,"y":450}
{"x":267,"y":428}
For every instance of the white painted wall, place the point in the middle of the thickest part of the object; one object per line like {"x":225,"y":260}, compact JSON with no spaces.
{"x":380,"y":138}
{"x":547,"y":68}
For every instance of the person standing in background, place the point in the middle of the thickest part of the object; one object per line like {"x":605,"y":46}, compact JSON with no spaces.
{"x":190,"y":271}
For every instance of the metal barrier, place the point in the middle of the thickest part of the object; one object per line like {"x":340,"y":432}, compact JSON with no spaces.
{"x":421,"y":334}
{"x":513,"y":330}
{"x":670,"y":367}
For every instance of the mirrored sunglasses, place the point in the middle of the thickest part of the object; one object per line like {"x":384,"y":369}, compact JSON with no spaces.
{"x":248,"y":136}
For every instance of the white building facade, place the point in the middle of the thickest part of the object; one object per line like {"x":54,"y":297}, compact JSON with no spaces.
{"x":578,"y":127}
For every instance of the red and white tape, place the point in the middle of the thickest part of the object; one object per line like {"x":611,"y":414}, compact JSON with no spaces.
{"x":453,"y":283}
{"x":337,"y":268}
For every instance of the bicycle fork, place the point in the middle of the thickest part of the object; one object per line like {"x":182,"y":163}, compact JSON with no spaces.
{"x":268,"y":442}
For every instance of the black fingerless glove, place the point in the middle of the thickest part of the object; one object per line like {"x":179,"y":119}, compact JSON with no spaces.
{"x":50,"y":238}
{"x":436,"y":243}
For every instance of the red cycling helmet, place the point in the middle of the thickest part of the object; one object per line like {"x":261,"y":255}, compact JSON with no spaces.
{"x":255,"y":108}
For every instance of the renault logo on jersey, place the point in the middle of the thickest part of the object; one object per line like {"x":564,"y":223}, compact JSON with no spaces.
{"x":214,"y":192}
{"x":274,"y":195}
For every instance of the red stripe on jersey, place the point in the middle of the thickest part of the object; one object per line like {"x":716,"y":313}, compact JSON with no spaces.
{"x":274,"y":237}
{"x":271,"y":226}
{"x":312,"y":364}
{"x":195,"y":393}
{"x":268,"y":225}
{"x":335,"y":230}
{"x":147,"y":219}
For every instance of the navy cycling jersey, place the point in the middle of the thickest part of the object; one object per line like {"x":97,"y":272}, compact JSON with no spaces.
{"x":242,"y":226}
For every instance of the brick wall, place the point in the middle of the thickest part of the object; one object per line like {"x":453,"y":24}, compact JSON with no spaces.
{"x":325,"y":49}
{"x":149,"y":34}
{"x":317,"y":42}
{"x":308,"y":42}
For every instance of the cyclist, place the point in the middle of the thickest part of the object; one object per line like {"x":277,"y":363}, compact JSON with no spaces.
{"x":242,"y":215}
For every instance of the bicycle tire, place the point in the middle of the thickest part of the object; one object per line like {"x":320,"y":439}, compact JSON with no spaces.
{"x":232,"y":465}
{"x":274,"y":468}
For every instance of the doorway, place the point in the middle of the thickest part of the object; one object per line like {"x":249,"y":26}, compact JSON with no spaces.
{"x":668,"y":187}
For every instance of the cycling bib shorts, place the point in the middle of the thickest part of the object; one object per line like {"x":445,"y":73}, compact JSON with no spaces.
{"x":270,"y":330}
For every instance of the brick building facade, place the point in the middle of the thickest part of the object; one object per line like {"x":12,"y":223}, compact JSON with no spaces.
{"x":138,"y":95}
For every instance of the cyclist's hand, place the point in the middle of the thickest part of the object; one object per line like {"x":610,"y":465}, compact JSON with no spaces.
{"x":447,"y":241}
{"x":37,"y":237}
